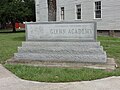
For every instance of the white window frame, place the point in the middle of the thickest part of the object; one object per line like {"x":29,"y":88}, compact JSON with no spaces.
{"x":95,"y":9}
{"x":62,"y":15}
{"x":76,"y":16}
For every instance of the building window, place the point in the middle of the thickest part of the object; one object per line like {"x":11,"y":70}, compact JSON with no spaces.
{"x":62,"y":13}
{"x":98,"y":9}
{"x":78,"y":12}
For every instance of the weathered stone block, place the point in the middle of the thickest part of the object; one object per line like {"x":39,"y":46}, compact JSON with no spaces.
{"x":93,"y":58}
{"x":58,"y":44}
{"x":61,"y":31}
{"x":60,"y":50}
{"x":61,"y":42}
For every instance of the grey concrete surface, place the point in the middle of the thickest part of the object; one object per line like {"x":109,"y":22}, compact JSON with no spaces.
{"x":53,"y":41}
{"x":62,"y":51}
{"x":9,"y":81}
{"x":57,"y":31}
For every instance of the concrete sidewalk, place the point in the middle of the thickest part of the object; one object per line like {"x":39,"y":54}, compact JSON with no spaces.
{"x":9,"y":81}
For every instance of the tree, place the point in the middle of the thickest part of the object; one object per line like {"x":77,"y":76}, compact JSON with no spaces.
{"x":2,"y":13}
{"x":51,"y":10}
{"x":17,"y":10}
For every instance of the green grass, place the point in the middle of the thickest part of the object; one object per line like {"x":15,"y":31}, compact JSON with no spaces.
{"x":8,"y":44}
{"x":112,"y":47}
{"x":45,"y":74}
{"x":10,"y":41}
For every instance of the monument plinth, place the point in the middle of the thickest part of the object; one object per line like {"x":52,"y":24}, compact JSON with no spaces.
{"x":61,"y":42}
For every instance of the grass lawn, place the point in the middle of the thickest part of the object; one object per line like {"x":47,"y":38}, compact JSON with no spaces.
{"x":112,"y":47}
{"x":44,"y":74}
{"x":10,"y":41}
{"x":8,"y":44}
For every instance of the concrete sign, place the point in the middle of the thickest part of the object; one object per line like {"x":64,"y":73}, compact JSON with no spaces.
{"x":61,"y":31}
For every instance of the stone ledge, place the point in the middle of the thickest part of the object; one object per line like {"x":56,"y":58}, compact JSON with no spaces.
{"x":93,"y":58}
{"x":49,"y":43}
{"x":60,"y":50}
{"x":110,"y":65}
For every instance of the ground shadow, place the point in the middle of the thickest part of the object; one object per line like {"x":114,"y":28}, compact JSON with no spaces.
{"x":21,"y":31}
{"x":19,"y":38}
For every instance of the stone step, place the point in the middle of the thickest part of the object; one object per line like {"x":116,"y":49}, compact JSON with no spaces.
{"x":91,"y":58}
{"x":59,"y":50}
{"x":58,"y":44}
{"x":64,"y":47}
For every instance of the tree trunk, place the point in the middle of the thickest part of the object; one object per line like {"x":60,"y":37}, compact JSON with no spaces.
{"x":51,"y":10}
{"x":13,"y":25}
{"x":3,"y":25}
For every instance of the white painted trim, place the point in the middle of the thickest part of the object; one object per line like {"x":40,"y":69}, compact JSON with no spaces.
{"x":60,"y":14}
{"x":76,"y":11}
{"x":94,"y":10}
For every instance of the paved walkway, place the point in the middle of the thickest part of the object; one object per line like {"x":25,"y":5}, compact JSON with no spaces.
{"x":9,"y":81}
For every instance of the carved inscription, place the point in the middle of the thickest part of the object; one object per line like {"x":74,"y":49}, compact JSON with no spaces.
{"x":84,"y":31}
{"x":76,"y":29}
{"x":71,"y":31}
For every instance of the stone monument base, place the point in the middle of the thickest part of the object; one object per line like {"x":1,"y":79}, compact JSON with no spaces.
{"x":90,"y":52}
{"x":61,"y":42}
{"x":109,"y":65}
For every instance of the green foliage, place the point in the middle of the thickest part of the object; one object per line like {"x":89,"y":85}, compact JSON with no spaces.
{"x":17,"y":10}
